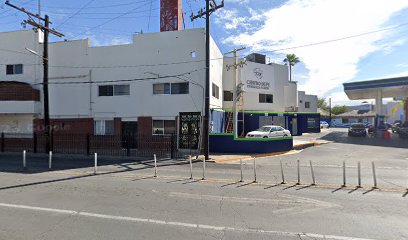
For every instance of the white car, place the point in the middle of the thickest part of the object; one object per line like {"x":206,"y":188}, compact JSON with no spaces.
{"x":324,"y":124}
{"x":269,"y":131}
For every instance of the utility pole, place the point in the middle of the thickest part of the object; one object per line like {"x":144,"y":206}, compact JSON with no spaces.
{"x":46,"y":30}
{"x":235,"y":93}
{"x":330,"y":113}
{"x":209,"y":8}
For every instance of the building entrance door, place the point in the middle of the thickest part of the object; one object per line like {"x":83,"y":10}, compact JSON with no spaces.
{"x":189,"y":133}
{"x":294,"y":126}
{"x":129,"y":134}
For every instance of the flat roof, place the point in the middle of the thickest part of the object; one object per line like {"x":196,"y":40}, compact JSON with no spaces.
{"x":390,"y":87}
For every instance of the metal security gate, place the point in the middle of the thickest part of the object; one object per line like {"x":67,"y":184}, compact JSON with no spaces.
{"x":189,"y":130}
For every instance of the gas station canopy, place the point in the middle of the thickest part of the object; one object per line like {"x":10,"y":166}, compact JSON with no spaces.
{"x":373,"y":89}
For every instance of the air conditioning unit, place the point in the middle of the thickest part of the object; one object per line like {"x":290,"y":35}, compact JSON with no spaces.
{"x":291,"y":109}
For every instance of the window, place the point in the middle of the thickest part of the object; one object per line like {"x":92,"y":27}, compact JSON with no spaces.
{"x":171,"y":88}
{"x":265,"y":98}
{"x":103,"y":127}
{"x":161,"y":88}
{"x":121,"y":90}
{"x":106,"y":90}
{"x":179,"y":88}
{"x":300,"y":101}
{"x":215,"y":91}
{"x":228,"y":96}
{"x":14,"y":69}
{"x":307,"y":104}
{"x":161,"y":127}
{"x":114,"y":90}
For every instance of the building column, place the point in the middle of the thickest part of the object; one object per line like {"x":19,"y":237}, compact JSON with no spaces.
{"x":379,"y":103}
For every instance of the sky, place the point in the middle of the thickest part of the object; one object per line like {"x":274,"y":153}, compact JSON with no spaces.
{"x":337,"y":41}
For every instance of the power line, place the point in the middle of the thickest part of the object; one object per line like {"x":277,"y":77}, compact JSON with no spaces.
{"x":110,"y":20}
{"x":77,"y":12}
{"x":339,"y":39}
{"x":96,"y":7}
{"x":150,"y":15}
{"x":123,"y":80}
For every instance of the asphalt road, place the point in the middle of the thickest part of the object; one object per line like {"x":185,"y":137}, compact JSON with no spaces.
{"x":124,"y":206}
{"x":124,"y":201}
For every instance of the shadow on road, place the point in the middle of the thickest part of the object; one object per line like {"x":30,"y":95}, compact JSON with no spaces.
{"x":37,"y":163}
{"x":342,"y":137}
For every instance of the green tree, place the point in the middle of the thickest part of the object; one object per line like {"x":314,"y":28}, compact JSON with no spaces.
{"x":339,"y":109}
{"x":291,"y":60}
{"x":322,"y":104}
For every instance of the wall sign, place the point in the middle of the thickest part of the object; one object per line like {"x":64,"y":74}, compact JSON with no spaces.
{"x":258,"y":78}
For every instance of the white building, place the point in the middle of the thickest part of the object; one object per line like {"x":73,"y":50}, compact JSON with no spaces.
{"x":142,"y":88}
{"x":266,"y":87}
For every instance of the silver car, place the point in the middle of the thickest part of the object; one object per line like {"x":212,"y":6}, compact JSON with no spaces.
{"x":269,"y":131}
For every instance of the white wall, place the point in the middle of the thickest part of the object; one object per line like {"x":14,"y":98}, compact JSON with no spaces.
{"x":13,"y":51}
{"x":284,"y":93}
{"x":150,"y":55}
{"x":303,"y":98}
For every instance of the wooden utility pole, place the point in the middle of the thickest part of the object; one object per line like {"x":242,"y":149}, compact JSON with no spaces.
{"x":46,"y":30}
{"x":235,"y":93}
{"x":209,"y":9}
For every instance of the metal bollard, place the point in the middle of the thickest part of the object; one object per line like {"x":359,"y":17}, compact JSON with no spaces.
{"x":242,"y":172}
{"x":313,"y":176}
{"x":95,"y":163}
{"x":50,"y":160}
{"x":203,"y":169}
{"x":359,"y":174}
{"x":254,"y":170}
{"x":344,"y":174}
{"x":155,"y":165}
{"x":298,"y":172}
{"x":191,"y":167}
{"x":24,"y":160}
{"x":374,"y":175}
{"x":283,"y":175}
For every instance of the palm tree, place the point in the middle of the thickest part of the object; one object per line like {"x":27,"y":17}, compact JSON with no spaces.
{"x":291,"y":60}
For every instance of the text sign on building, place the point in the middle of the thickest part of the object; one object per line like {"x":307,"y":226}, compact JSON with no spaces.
{"x":258,"y":78}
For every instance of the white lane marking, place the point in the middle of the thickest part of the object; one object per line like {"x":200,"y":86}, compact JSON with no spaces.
{"x":281,"y":199}
{"x":178,"y":224}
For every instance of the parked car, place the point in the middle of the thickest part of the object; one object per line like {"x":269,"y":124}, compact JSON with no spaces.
{"x":403,"y":130}
{"x":395,"y":127}
{"x":269,"y":131}
{"x":324,"y":124}
{"x":357,"y":130}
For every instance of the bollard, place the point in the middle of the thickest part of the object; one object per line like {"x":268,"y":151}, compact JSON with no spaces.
{"x":254,"y":170}
{"x":344,"y":174}
{"x":359,"y":174}
{"x":95,"y":163}
{"x":191,"y":167}
{"x":298,"y":172}
{"x":242,"y":172}
{"x":155,"y":165}
{"x":24,"y":160}
{"x":313,"y":176}
{"x":203,"y":169}
{"x":374,"y":176}
{"x":283,"y":176}
{"x":50,"y":160}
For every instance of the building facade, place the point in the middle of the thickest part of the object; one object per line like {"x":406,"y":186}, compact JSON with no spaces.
{"x":147,"y":87}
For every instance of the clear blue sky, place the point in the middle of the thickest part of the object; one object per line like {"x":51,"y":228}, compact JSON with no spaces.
{"x":274,"y":28}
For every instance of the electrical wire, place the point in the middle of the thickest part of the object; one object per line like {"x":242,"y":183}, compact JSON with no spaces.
{"x":76,"y":13}
{"x":110,"y":20}
{"x":123,"y":80}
